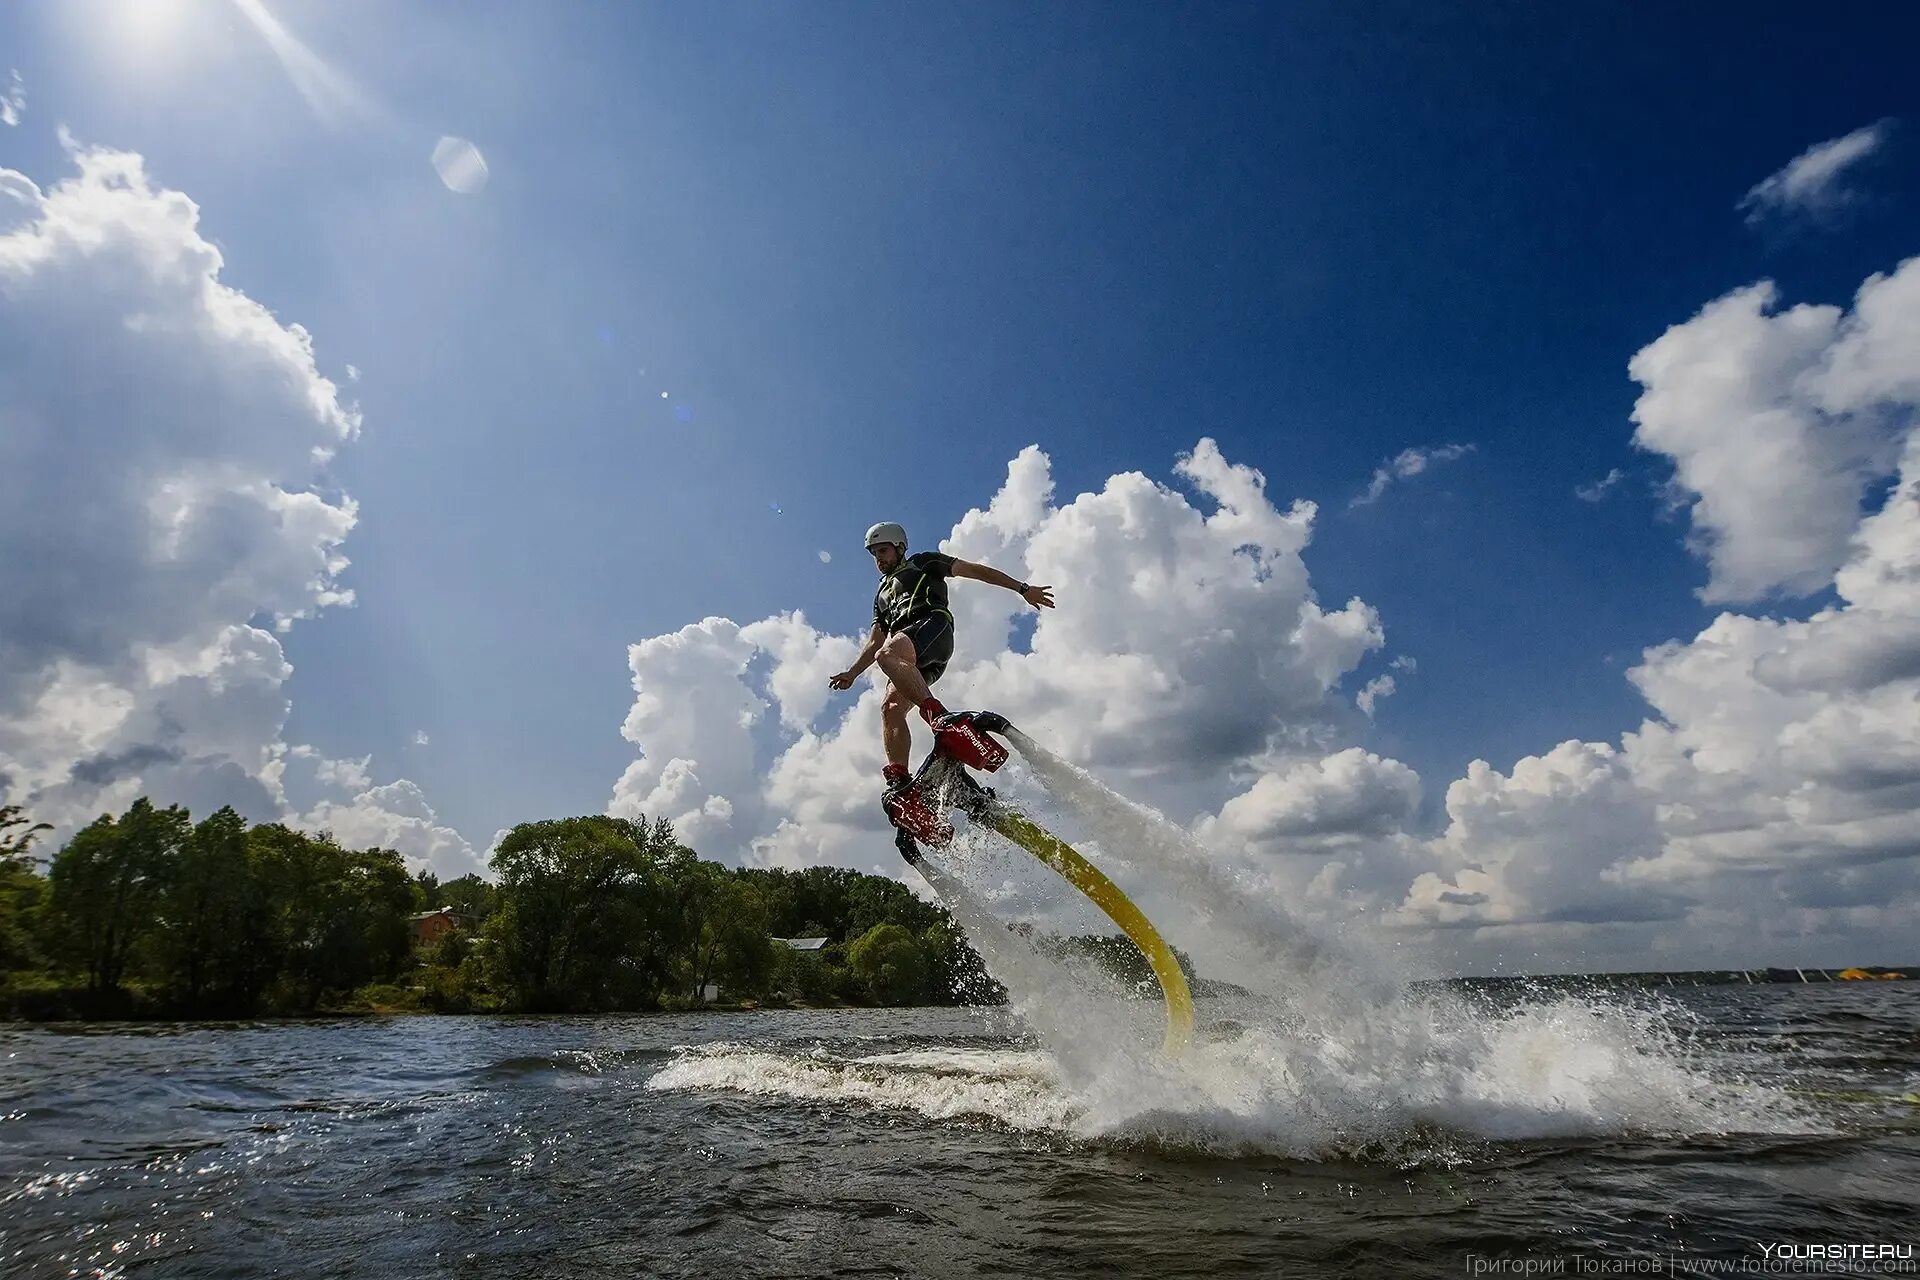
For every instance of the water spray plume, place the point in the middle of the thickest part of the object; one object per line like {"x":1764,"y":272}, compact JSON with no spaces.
{"x":1317,"y":1048}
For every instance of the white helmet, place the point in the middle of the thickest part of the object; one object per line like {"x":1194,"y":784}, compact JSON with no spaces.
{"x":886,"y":531}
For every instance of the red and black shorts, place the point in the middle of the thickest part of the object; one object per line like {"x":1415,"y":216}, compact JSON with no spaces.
{"x":932,"y":636}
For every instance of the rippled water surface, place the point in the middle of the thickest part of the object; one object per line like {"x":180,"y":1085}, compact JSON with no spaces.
{"x":919,"y":1142}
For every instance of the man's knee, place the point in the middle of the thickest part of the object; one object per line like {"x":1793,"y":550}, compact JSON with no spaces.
{"x":897,"y":650}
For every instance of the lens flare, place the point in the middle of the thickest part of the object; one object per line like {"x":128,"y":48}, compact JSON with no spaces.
{"x":460,"y":165}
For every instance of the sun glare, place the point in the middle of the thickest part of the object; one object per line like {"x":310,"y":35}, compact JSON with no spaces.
{"x":145,"y":41}
{"x":154,"y":19}
{"x":145,"y":36}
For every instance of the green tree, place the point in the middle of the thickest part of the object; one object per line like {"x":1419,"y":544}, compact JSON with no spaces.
{"x":13,"y":843}
{"x":276,"y":855}
{"x":955,"y":972}
{"x":807,"y":975}
{"x":873,"y":900}
{"x":23,"y":896}
{"x":201,"y":912}
{"x":454,"y":976}
{"x":452,"y":950}
{"x":469,"y":895}
{"x":659,"y":929}
{"x":727,"y":931}
{"x":340,"y":917}
{"x":106,"y":884}
{"x":812,"y":903}
{"x":23,"y":892}
{"x":837,"y":902}
{"x":570,"y":930}
{"x":890,"y":963}
{"x":426,"y":891}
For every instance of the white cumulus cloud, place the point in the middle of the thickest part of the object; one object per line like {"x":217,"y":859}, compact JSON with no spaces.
{"x":1538,"y":845}
{"x":1777,"y":421}
{"x":1771,"y":802}
{"x":161,"y":439}
{"x":396,"y":816}
{"x":1347,"y":794}
{"x":1767,"y":808}
{"x":1187,"y":644}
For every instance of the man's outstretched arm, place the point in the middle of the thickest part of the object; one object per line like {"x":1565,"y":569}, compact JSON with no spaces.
{"x":1038,"y":597}
{"x":846,"y":678}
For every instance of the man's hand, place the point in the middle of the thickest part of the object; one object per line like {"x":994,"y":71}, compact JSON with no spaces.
{"x":842,"y":681}
{"x":1038,"y":597}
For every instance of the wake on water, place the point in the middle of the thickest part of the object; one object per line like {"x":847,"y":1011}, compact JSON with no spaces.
{"x":1327,"y":1053}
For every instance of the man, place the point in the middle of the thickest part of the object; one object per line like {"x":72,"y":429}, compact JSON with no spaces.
{"x":912,"y":639}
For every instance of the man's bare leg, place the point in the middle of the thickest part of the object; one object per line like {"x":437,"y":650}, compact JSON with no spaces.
{"x":897,"y":660}
{"x":906,"y":689}
{"x":896,"y":733}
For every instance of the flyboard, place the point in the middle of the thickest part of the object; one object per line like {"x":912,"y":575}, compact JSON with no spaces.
{"x":943,"y":782}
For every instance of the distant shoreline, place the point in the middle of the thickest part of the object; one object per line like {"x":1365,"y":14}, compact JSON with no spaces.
{"x":69,"y":1014}
{"x":376,"y":1008}
{"x":1695,"y":977}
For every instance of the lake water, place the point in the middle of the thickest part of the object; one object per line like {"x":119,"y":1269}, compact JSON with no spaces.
{"x":1677,"y":1132}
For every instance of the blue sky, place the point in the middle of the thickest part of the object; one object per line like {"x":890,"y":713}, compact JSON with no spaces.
{"x":871,"y":252}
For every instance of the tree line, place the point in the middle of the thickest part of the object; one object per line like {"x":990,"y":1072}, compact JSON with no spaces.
{"x":153,"y":914}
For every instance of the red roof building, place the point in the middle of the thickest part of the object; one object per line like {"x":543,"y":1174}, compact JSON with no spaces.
{"x":431,"y":926}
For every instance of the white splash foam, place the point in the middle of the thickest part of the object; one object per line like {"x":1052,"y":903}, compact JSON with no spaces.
{"x":1568,"y":1068}
{"x":1009,"y":1087}
{"x":1328,"y":1053}
{"x":1337,"y":1052}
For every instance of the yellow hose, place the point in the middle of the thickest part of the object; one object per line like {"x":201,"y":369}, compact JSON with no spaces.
{"x":1106,"y":895}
